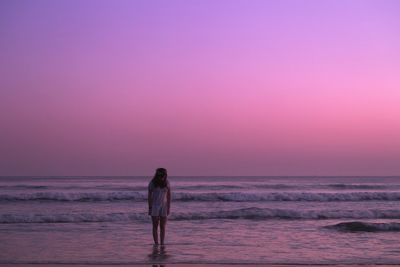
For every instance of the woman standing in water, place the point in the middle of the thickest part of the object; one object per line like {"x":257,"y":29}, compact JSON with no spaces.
{"x":159,"y":198}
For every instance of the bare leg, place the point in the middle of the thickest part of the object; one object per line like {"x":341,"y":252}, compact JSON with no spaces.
{"x":163,"y":223}
{"x":155,"y":220}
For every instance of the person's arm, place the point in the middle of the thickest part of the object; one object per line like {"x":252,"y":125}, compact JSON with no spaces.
{"x":150,"y":200}
{"x":168,"y":200}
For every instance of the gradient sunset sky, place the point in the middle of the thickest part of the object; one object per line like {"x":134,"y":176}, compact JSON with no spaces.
{"x":200,"y":87}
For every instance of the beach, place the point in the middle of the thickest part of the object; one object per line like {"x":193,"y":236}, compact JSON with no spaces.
{"x":214,"y":221}
{"x":194,"y":265}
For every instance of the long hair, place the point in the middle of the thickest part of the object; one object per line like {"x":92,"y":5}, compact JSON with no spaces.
{"x":157,"y":181}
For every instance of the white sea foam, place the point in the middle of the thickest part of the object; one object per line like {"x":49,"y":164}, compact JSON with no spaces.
{"x":213,"y":196}
{"x":289,"y":196}
{"x":73,"y":196}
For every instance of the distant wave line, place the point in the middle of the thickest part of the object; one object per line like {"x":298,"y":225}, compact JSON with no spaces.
{"x":196,"y":187}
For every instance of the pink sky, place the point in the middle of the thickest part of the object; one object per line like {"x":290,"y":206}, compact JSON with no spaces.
{"x":200,"y":87}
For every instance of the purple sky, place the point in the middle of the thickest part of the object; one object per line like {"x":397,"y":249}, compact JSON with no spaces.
{"x":200,"y":87}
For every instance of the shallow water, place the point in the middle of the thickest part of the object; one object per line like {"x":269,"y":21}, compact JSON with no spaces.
{"x":266,"y":220}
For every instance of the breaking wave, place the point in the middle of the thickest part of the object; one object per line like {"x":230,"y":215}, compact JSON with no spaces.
{"x":290,"y":196}
{"x":365,"y":227}
{"x":361,"y":186}
{"x":245,"y":213}
{"x":213,"y":196}
{"x":72,"y":196}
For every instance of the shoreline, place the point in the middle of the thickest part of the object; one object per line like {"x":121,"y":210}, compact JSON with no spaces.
{"x":192,"y":264}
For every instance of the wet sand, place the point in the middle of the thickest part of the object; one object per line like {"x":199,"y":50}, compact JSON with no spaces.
{"x":191,"y":265}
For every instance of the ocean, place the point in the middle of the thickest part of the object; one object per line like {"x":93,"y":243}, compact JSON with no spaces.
{"x":229,"y":220}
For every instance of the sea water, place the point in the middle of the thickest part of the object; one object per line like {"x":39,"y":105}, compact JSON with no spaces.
{"x":252,"y":220}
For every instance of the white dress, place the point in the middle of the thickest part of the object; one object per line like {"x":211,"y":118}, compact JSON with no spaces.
{"x":159,"y":200}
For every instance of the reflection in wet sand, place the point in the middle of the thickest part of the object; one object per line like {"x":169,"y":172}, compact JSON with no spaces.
{"x":158,"y":254}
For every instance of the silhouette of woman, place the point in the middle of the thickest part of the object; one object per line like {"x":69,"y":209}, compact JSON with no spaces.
{"x":159,"y":199}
